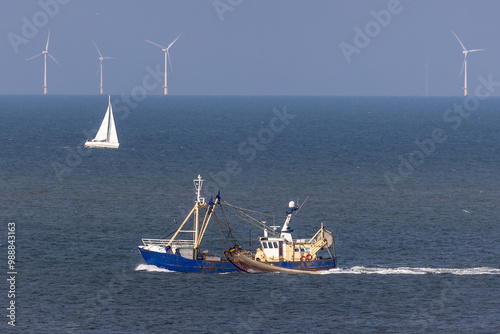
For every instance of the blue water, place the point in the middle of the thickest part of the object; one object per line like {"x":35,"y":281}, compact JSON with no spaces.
{"x":408,"y":186}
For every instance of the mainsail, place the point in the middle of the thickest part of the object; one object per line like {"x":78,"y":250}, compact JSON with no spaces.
{"x":102,"y":134}
{"x":112,"y":135}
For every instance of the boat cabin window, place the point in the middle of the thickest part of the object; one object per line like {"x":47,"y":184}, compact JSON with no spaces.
{"x":264,"y":244}
{"x":275,"y":244}
{"x":270,"y":245}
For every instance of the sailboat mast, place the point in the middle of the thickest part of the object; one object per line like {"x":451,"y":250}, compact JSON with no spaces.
{"x":109,"y":119}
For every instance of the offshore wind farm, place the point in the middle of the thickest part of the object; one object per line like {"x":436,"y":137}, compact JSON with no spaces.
{"x":168,"y":63}
{"x":219,"y":55}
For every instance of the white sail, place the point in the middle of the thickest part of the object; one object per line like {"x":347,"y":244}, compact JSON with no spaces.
{"x":112,"y":135}
{"x":106,"y":136}
{"x":102,"y":134}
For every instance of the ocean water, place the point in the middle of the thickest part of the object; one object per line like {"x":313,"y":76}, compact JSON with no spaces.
{"x":408,"y":186}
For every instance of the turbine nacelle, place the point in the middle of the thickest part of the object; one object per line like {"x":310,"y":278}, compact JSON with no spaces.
{"x":102,"y":58}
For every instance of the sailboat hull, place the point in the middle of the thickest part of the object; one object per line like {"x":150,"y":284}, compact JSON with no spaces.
{"x":175,"y":262}
{"x":102,"y":144}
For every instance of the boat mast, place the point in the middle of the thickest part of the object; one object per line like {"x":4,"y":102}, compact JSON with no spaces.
{"x":286,"y":233}
{"x":109,"y":119}
{"x":200,"y":201}
{"x":198,"y":185}
{"x":197,"y":231}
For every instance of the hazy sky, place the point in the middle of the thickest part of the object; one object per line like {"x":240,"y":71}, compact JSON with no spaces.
{"x":250,"y":47}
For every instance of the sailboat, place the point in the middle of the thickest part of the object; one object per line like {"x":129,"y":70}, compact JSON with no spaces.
{"x":106,"y":136}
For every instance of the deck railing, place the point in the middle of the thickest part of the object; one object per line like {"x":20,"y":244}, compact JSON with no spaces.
{"x":164,"y":243}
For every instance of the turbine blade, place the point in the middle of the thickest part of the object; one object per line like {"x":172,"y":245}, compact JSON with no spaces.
{"x":158,"y":45}
{"x":108,"y":57}
{"x":97,"y":49}
{"x":463,"y":47}
{"x":476,"y":50}
{"x":47,"y":45}
{"x":54,"y":59}
{"x":173,"y":42}
{"x":35,"y":56}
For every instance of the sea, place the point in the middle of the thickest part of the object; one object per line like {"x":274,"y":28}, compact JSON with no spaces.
{"x":409,"y":187}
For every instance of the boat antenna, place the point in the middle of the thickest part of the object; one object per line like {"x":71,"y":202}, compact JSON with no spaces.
{"x":301,"y":205}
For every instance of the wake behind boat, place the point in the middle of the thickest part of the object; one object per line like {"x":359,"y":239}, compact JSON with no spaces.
{"x":106,"y":135}
{"x":282,"y":253}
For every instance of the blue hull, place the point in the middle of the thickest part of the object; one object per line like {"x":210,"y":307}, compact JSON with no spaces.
{"x":176,"y":262}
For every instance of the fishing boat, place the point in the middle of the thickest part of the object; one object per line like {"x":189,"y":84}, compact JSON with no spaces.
{"x":185,"y":255}
{"x":282,"y":253}
{"x":106,"y":135}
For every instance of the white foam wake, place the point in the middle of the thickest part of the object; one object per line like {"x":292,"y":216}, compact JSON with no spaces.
{"x":360,"y":270}
{"x":413,"y":271}
{"x":151,"y":268}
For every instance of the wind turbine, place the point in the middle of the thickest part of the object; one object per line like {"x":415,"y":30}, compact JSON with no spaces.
{"x":464,"y":65}
{"x":167,"y":55}
{"x":45,"y":53}
{"x":101,"y":58}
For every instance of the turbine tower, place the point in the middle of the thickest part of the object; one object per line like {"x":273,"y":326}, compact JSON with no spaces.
{"x":464,"y":65}
{"x":45,"y":53}
{"x":101,"y":58}
{"x":167,"y":55}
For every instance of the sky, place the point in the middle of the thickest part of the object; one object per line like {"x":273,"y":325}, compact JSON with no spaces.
{"x":250,"y":47}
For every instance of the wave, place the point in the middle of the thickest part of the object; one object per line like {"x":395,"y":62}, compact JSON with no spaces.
{"x":151,"y":268}
{"x":412,"y":271}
